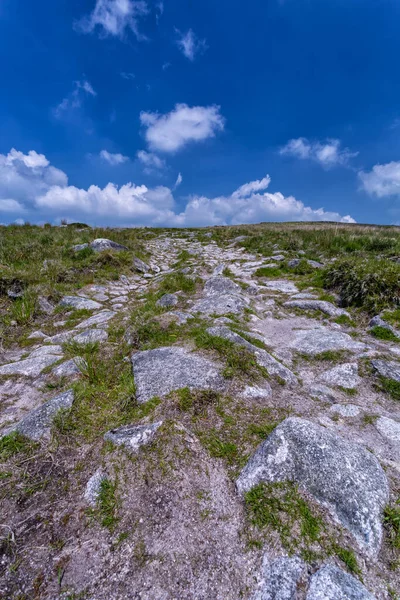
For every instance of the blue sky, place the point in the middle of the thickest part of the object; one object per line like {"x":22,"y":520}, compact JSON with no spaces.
{"x":183,"y":113}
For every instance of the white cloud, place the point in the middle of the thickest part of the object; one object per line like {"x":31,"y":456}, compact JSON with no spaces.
{"x":129,"y":76}
{"x":25,"y":176}
{"x":114,"y":17}
{"x":328,"y":154}
{"x":190,"y":45}
{"x":150,"y":161}
{"x":12,"y":206}
{"x":382,"y":180}
{"x":245,"y":205}
{"x":178,"y":181}
{"x":75,"y":98}
{"x":113,"y":159}
{"x":28,"y":182}
{"x":184,"y":124}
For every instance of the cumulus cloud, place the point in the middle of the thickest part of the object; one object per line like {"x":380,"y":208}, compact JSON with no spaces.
{"x":75,"y":98}
{"x":190,"y":45}
{"x":150,"y":161}
{"x":10,"y":206}
{"x":114,"y":17}
{"x":328,"y":154}
{"x":382,"y":180}
{"x":184,"y":124}
{"x":113,"y":159}
{"x":28,"y":182}
{"x":25,"y":176}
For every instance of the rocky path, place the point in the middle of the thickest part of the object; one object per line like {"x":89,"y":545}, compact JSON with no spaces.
{"x":190,"y":521}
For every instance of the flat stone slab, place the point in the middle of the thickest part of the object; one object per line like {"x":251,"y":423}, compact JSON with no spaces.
{"x":91,"y":336}
{"x":345,"y":376}
{"x":140,"y":266}
{"x":256,"y":391}
{"x":387,"y":368}
{"x":326,"y":307}
{"x":281,"y":285}
{"x":100,"y":319}
{"x":344,"y":477}
{"x":264,"y":359}
{"x":323,"y":339}
{"x":132,"y":436}
{"x":78,"y":303}
{"x":162,"y":370}
{"x":389,"y":428}
{"x":221,"y":305}
{"x":31,"y":366}
{"x":37,"y":424}
{"x":100,"y":244}
{"x":331,"y":583}
{"x":280,"y":578}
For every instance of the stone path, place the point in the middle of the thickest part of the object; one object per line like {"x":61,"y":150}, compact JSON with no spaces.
{"x":344,"y":454}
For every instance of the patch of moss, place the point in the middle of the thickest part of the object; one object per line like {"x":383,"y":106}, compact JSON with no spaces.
{"x":390,"y":386}
{"x":14,"y":443}
{"x":391,"y":519}
{"x":381,"y":333}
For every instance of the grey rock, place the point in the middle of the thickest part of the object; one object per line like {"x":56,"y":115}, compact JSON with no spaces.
{"x":102,"y":317}
{"x":78,"y":303}
{"x":344,"y":477}
{"x":91,"y":336}
{"x":322,"y":339}
{"x":280,"y":578}
{"x":140,"y":266}
{"x":158,"y":372}
{"x":69,"y":368}
{"x":389,"y":428}
{"x":379,"y":322}
{"x":346,"y":410}
{"x":133,"y":436}
{"x":255,"y":391}
{"x":45,"y":306}
{"x":101,"y":244}
{"x":37,"y":335}
{"x":264,"y":359}
{"x":221,"y":285}
{"x":238,"y":239}
{"x":79,"y":247}
{"x":345,"y":375}
{"x":31,"y":366}
{"x":278,"y":257}
{"x":219,"y":269}
{"x":294,"y":262}
{"x":315,"y":264}
{"x":37,"y":424}
{"x":120,"y":300}
{"x":326,"y":307}
{"x":46,"y":350}
{"x":123,"y":279}
{"x":167,"y":300}
{"x":281,"y":285}
{"x":387,"y":368}
{"x":147,"y":276}
{"x":220,"y":305}
{"x":303,"y":296}
{"x":331,"y":583}
{"x":93,"y":487}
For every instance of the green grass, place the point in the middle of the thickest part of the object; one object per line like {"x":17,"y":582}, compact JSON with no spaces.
{"x":331,"y":355}
{"x":348,"y":558}
{"x":391,"y":387}
{"x":218,"y":447}
{"x":177,"y":282}
{"x":344,"y":320}
{"x":391,"y":519}
{"x":107,"y":504}
{"x":279,"y":506}
{"x":381,"y":333}
{"x":14,"y":443}
{"x":238,"y":360}
{"x":269,"y":272}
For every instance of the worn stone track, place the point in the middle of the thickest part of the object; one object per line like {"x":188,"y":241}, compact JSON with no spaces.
{"x":343,"y":453}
